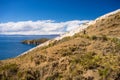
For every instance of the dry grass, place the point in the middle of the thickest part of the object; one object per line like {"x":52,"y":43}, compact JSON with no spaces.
{"x":92,"y":56}
{"x":109,"y":26}
{"x":71,"y":59}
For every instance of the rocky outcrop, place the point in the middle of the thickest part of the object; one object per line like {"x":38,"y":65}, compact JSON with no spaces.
{"x":35,"y":41}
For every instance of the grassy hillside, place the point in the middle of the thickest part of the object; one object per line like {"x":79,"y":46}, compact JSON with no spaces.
{"x":109,"y":26}
{"x":91,"y":56}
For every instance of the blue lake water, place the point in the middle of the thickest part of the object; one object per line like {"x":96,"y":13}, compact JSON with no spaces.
{"x":11,"y":46}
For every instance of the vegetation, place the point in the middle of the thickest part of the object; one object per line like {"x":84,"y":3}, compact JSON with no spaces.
{"x":91,"y":56}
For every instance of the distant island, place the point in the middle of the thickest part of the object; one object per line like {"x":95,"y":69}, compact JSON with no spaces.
{"x":35,"y":41}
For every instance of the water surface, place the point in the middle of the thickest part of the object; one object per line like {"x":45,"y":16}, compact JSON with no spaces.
{"x":11,"y":46}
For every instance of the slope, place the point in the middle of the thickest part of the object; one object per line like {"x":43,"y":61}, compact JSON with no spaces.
{"x":94,"y":55}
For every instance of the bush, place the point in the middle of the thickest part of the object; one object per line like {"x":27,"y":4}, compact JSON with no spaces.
{"x":88,"y":60}
{"x":8,"y":71}
{"x":117,"y":42}
{"x":32,"y":74}
{"x":94,"y":37}
{"x":104,"y":73}
{"x":55,"y":76}
{"x":37,"y":62}
{"x":12,"y":68}
{"x":103,"y":37}
{"x":85,"y":36}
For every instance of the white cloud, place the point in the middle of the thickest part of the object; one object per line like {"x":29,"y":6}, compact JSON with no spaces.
{"x":39,"y":27}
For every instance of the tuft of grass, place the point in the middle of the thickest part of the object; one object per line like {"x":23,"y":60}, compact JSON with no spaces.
{"x":7,"y":71}
{"x":55,"y":76}
{"x":104,"y":38}
{"x":104,"y":73}
{"x":10,"y":67}
{"x":117,"y":43}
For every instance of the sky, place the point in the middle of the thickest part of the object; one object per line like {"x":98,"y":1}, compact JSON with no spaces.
{"x":26,"y":15}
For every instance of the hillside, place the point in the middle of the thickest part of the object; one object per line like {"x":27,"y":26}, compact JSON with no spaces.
{"x":108,"y":24}
{"x":90,"y":55}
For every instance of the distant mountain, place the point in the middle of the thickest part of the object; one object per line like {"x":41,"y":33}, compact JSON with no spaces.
{"x":91,"y":52}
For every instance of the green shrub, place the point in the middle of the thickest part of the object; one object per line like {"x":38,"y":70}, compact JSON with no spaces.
{"x":103,"y":38}
{"x":114,"y":40}
{"x":104,"y":73}
{"x":87,"y":61}
{"x":117,"y":42}
{"x":10,"y":67}
{"x":94,"y":37}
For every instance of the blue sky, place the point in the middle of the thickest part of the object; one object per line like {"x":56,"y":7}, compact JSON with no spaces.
{"x":58,"y":10}
{"x":36,"y":17}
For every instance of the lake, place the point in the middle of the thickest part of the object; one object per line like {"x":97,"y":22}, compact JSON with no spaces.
{"x":11,"y":46}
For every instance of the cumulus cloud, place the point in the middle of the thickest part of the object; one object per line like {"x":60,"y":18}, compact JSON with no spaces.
{"x":41,"y":27}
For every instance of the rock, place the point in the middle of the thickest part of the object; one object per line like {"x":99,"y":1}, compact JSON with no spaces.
{"x":35,"y":41}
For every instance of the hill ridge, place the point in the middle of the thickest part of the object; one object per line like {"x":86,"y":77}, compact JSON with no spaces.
{"x":71,"y":33}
